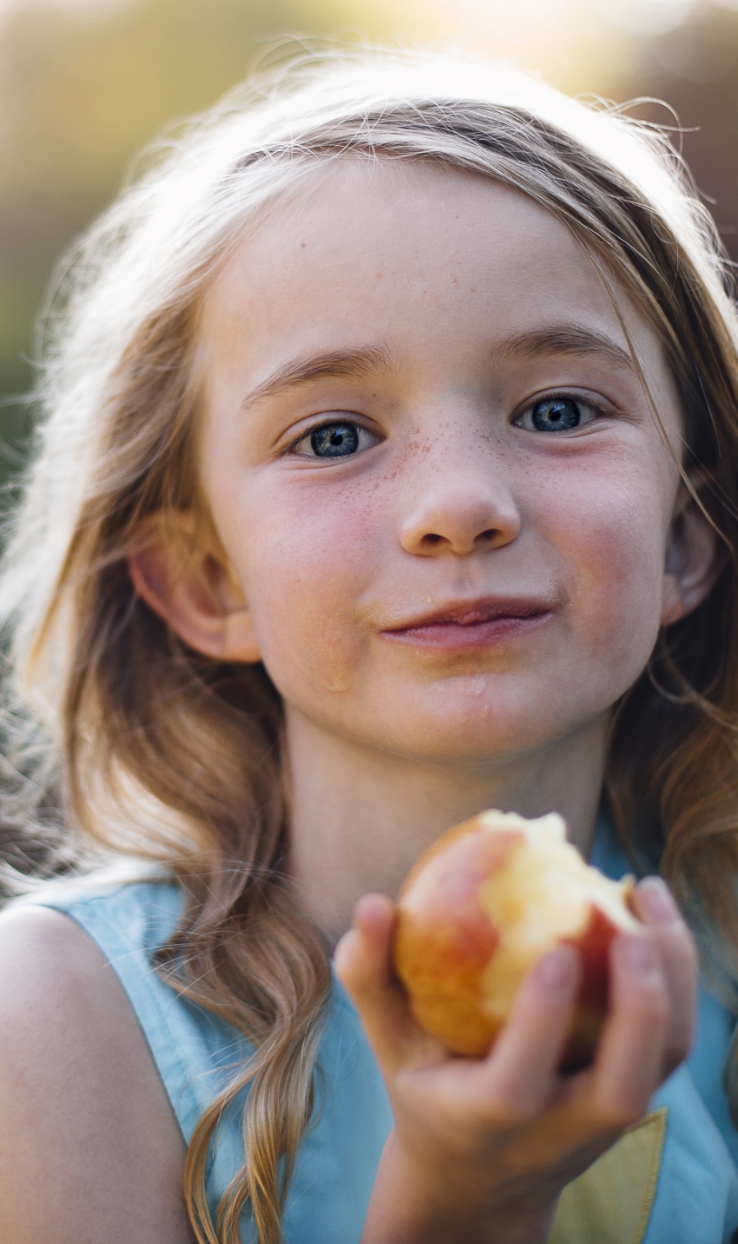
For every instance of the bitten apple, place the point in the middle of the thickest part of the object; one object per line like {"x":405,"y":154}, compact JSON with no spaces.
{"x":486,"y":901}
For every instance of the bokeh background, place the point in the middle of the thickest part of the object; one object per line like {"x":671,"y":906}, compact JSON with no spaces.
{"x":84,"y":84}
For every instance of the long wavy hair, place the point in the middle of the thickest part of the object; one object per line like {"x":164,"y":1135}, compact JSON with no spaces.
{"x":122,"y":739}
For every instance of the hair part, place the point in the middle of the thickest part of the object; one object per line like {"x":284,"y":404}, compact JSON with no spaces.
{"x":126,"y":740}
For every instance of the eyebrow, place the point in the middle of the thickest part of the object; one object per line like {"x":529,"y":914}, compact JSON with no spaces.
{"x":522,"y":347}
{"x":349,"y":362}
{"x":566,"y":339}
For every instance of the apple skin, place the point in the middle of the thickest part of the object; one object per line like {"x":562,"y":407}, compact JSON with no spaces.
{"x":590,"y":1007}
{"x":445,"y":941}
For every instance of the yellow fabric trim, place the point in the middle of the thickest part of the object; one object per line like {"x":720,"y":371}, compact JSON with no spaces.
{"x":611,"y":1202}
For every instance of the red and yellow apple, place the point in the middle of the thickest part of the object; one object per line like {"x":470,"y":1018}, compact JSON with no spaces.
{"x":481,"y":906}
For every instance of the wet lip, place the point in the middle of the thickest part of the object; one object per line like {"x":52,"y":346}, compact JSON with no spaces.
{"x":472,"y":623}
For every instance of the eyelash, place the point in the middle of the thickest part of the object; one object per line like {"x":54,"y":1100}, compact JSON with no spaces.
{"x":552,"y":398}
{"x":361,"y":431}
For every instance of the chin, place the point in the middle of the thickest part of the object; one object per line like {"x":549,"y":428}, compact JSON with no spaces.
{"x":459,"y":728}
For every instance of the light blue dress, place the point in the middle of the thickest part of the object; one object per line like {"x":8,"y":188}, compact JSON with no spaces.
{"x":696,"y":1193}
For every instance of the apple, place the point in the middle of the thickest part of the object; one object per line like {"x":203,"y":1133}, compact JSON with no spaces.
{"x":481,"y":906}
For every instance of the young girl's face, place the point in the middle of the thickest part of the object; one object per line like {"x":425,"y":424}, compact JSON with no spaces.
{"x":433,"y":467}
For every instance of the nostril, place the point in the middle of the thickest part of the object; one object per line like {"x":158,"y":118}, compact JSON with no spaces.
{"x":488,"y":534}
{"x":431,"y":538}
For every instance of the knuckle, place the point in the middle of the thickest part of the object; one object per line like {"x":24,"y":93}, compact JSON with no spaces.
{"x":650,"y":1002}
{"x":676,"y":1052}
{"x":613,"y":1117}
{"x":682,"y":945}
{"x":505,"y":1112}
{"x":655,"y":1010}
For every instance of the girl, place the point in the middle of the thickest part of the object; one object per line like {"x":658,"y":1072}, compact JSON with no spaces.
{"x":388,"y":473}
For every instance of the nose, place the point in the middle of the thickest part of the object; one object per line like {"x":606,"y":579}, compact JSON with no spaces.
{"x":466,"y":512}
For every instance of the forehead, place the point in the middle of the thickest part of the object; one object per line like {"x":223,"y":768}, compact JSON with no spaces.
{"x":412,"y":257}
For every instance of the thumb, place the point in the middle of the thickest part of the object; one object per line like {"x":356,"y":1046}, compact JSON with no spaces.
{"x":363,"y":961}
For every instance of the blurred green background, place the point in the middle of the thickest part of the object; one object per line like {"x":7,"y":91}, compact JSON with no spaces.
{"x":85,"y":83}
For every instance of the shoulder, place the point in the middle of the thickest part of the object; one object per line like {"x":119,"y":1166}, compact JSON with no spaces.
{"x":89,"y":1146}
{"x":50,"y":970}
{"x":26,"y":928}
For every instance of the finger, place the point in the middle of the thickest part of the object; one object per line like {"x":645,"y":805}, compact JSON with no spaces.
{"x":520,"y":1070}
{"x":654,"y":904}
{"x":363,"y":961}
{"x":362,"y":957}
{"x":629,"y":1060}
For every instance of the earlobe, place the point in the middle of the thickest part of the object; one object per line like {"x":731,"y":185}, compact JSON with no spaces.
{"x":239,"y":640}
{"x":695,"y":559}
{"x":192,"y":590}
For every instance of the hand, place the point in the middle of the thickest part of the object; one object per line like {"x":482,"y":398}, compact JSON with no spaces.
{"x":481,"y":1148}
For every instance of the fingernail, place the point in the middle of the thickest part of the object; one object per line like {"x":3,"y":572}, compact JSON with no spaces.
{"x":657,"y":901}
{"x":638,"y":954}
{"x":556,"y":969}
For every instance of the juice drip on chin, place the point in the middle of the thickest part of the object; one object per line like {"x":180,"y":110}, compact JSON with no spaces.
{"x":337,"y":681}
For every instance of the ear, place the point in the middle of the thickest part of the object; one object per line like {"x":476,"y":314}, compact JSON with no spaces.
{"x":695,"y":558}
{"x":187,"y":582}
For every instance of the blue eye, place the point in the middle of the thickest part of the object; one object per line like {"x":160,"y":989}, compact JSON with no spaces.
{"x":335,"y":440}
{"x":340,"y":439}
{"x":556,"y":414}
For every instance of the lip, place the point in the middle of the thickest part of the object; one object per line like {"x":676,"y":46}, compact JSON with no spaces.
{"x":464,"y":624}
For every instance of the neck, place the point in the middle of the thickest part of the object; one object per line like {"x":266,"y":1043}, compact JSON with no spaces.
{"x":361,"y":817}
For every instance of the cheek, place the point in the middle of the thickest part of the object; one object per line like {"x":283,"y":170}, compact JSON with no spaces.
{"x":303,"y":566}
{"x":614,"y":540}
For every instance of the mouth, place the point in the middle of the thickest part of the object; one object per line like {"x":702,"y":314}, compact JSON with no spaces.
{"x":473,"y":624}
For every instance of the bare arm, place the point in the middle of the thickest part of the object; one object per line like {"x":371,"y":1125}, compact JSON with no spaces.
{"x":90,"y":1149}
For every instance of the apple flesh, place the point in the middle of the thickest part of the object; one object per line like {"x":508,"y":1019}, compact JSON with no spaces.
{"x":481,"y":906}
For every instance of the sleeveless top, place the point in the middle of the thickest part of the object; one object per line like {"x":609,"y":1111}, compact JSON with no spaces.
{"x":671,"y":1179}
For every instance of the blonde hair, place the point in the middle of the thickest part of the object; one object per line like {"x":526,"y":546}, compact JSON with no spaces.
{"x":149,"y":749}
